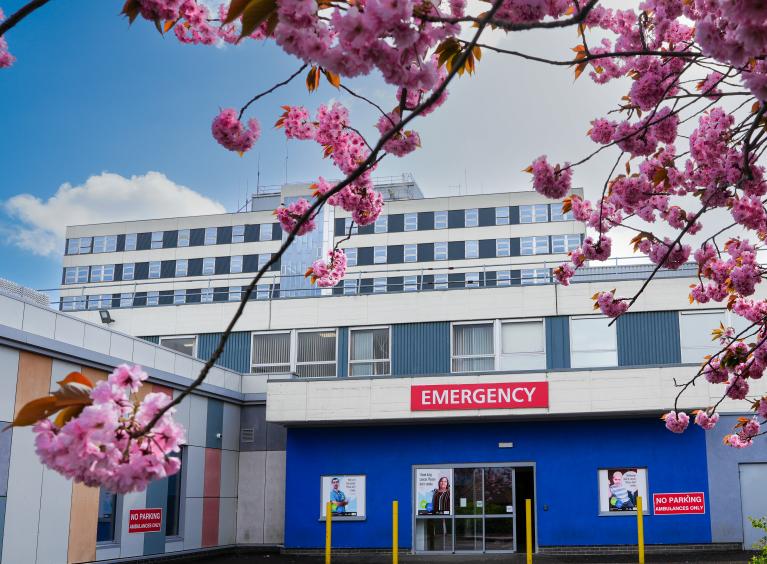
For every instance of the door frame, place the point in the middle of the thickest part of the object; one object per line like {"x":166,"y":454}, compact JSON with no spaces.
{"x":514,"y":465}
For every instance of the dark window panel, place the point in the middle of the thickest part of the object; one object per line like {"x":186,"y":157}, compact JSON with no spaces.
{"x":456,"y":250}
{"x":118,"y":272}
{"x":456,"y":218}
{"x":196,"y":237}
{"x":251,"y":233}
{"x":394,"y":283}
{"x":514,"y":246}
{"x":222,"y":264}
{"x":425,"y":252}
{"x":338,"y":289}
{"x":514,"y":215}
{"x":139,"y":299}
{"x":456,"y":280}
{"x":396,"y":223}
{"x":224,"y":235}
{"x":339,"y":230}
{"x":487,"y":248}
{"x":193,"y":296}
{"x":221,"y":294}
{"x":427,"y":282}
{"x":276,"y":266}
{"x":166,"y":297}
{"x":143,"y":241}
{"x":486,"y":217}
{"x":366,"y":229}
{"x":115,"y":301}
{"x":366,"y":286}
{"x":516,"y":277}
{"x":364,"y":256}
{"x":141,"y":271}
{"x":120,"y":243}
{"x":195,"y":267}
{"x":490,"y":278}
{"x":395,"y":254}
{"x":250,"y":263}
{"x":167,"y":269}
{"x":425,"y":221}
{"x":170,"y":239}
{"x":276,"y":232}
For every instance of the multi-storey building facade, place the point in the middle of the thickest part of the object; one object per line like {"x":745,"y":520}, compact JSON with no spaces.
{"x":446,"y":353}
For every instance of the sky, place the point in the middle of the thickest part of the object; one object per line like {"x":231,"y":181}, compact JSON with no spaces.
{"x":102,"y":121}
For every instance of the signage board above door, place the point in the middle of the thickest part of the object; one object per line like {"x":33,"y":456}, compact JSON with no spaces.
{"x":497,"y":395}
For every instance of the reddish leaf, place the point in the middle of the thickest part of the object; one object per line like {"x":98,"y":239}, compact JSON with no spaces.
{"x":255,"y":13}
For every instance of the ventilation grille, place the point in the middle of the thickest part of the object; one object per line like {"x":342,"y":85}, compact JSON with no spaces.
{"x":247,"y":435}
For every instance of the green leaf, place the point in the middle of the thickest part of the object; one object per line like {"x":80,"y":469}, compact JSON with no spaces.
{"x":256,"y":12}
{"x":236,"y":7}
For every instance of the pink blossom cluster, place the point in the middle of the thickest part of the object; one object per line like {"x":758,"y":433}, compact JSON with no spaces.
{"x":738,"y":274}
{"x":744,"y":438}
{"x":98,"y":446}
{"x":160,"y":9}
{"x":676,"y":422}
{"x":328,"y":273}
{"x":289,"y":215}
{"x":401,"y":143}
{"x":551,"y":181}
{"x":298,"y":124}
{"x":194,"y":26}
{"x":229,"y":131}
{"x":706,"y":421}
{"x":527,"y":11}
{"x":6,"y":59}
{"x":610,"y":306}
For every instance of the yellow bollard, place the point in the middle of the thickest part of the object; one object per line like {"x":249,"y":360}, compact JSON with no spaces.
{"x":529,"y":530}
{"x":328,"y":525}
{"x":640,"y":529}
{"x":395,"y":532}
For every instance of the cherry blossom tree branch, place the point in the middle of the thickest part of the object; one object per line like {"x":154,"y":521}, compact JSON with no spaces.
{"x":20,"y":14}
{"x":272,"y":89}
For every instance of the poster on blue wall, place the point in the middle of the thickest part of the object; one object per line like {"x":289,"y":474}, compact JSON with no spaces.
{"x":619,"y":489}
{"x":434,"y":489}
{"x":346,"y":494}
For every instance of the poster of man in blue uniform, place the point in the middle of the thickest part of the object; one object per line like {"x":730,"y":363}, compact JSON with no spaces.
{"x":346,"y":494}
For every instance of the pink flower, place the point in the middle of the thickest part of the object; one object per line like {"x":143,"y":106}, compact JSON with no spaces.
{"x":737,"y":388}
{"x":330,"y":273}
{"x":126,"y":376}
{"x":609,"y":306}
{"x":6,"y":59}
{"x":231,"y":134}
{"x":736,"y":441}
{"x":706,"y":421}
{"x":551,"y":181}
{"x":289,"y":215}
{"x":676,"y":422}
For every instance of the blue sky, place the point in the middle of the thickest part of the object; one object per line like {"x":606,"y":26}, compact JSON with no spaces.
{"x":90,"y":94}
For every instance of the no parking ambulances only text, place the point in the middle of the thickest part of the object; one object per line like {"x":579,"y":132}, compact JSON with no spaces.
{"x":506,"y":395}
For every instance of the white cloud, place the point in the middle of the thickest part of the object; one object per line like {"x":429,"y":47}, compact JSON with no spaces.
{"x":40,"y":224}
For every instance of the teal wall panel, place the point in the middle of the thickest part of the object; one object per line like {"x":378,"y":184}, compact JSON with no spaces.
{"x":648,"y":338}
{"x":236,"y":355}
{"x":421,"y":348}
{"x":557,"y":342}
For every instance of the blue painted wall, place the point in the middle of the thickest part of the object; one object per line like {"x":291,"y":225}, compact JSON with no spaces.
{"x":420,"y":348}
{"x":648,"y":338}
{"x":236,"y":354}
{"x":567,"y":455}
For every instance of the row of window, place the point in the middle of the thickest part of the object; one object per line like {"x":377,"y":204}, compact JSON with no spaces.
{"x":175,"y":238}
{"x":349,"y":286}
{"x":471,"y":217}
{"x":477,"y":346}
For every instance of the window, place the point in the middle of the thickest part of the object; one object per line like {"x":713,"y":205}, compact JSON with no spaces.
{"x":126,"y":300}
{"x":503,"y":278}
{"x":503,"y":247}
{"x":522,"y":345}
{"x":105,"y":244}
{"x":173,"y":501}
{"x":209,"y":265}
{"x":235,"y":293}
{"x":156,"y":240}
{"x":351,"y":256}
{"x":105,"y":529}
{"x":381,"y":224}
{"x":471,"y":217}
{"x":73,"y":246}
{"x":379,"y":255}
{"x":235,"y":264}
{"x":100,"y":301}
{"x":206,"y":295}
{"x":182,"y":267}
{"x":695,"y":332}
{"x":536,"y":213}
{"x":154,"y":269}
{"x":350,"y":286}
{"x":472,"y":280}
{"x":183,"y":237}
{"x":183,"y":345}
{"x":440,"y":250}
{"x":473,"y":349}
{"x":102,"y":273}
{"x":564,"y":243}
{"x":502,"y":215}
{"x":411,"y":253}
{"x":85,"y":245}
{"x":129,"y":270}
{"x":72,"y":303}
{"x":379,"y":285}
{"x":263,"y":291}
{"x":211,"y":235}
{"x":440,"y":281}
{"x":179,"y":296}
{"x":355,"y":228}
{"x":557,"y":215}
{"x":262,"y":260}
{"x":410,"y":284}
{"x":411,"y":222}
{"x":535,"y":276}
{"x":76,"y":275}
{"x":238,"y":234}
{"x":440,"y":220}
{"x":153,"y":298}
{"x":592,"y":342}
{"x":369,"y":352}
{"x":130,"y":241}
{"x":265,"y":232}
{"x":314,"y":356}
{"x":534,"y":245}
{"x":471,"y":249}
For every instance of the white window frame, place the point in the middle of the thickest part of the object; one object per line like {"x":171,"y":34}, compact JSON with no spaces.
{"x":381,"y":224}
{"x":265,"y":232}
{"x":531,"y":213}
{"x":73,"y":246}
{"x":472,"y":280}
{"x":348,"y":223}
{"x":491,"y":322}
{"x":376,"y":250}
{"x":380,"y":285}
{"x":503,"y":278}
{"x":153,"y":296}
{"x":183,"y":237}
{"x":498,"y":341}
{"x":471,"y":217}
{"x":410,"y":283}
{"x":351,"y":256}
{"x":129,"y":266}
{"x":349,"y":360}
{"x":503,"y":247}
{"x":570,"y":242}
{"x":85,"y":246}
{"x":235,"y":294}
{"x":411,"y":221}
{"x":570,"y":321}
{"x":443,"y":253}
{"x":293,"y":351}
{"x":182,"y":271}
{"x":238,"y":233}
{"x":211,"y":236}
{"x":156,"y":240}
{"x":235,"y":266}
{"x":349,"y":286}
{"x":102,"y":273}
{"x":534,"y":243}
{"x":442,"y":283}
{"x":441,"y":220}
{"x":537,"y":355}
{"x":131,"y":241}
{"x":105,"y":244}
{"x":473,"y":244}
{"x":158,"y":264}
{"x":555,"y":213}
{"x":209,"y":264}
{"x":206,"y":295}
{"x":410,"y":252}
{"x":728,"y":318}
{"x":179,"y":296}
{"x":126,"y":299}
{"x":263,"y":258}
{"x":502,"y":215}
{"x":193,"y":337}
{"x":534,"y":276}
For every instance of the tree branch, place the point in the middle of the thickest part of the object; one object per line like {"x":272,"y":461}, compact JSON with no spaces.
{"x":20,"y":14}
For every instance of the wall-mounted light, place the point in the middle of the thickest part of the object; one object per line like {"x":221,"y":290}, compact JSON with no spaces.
{"x":105,"y":317}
